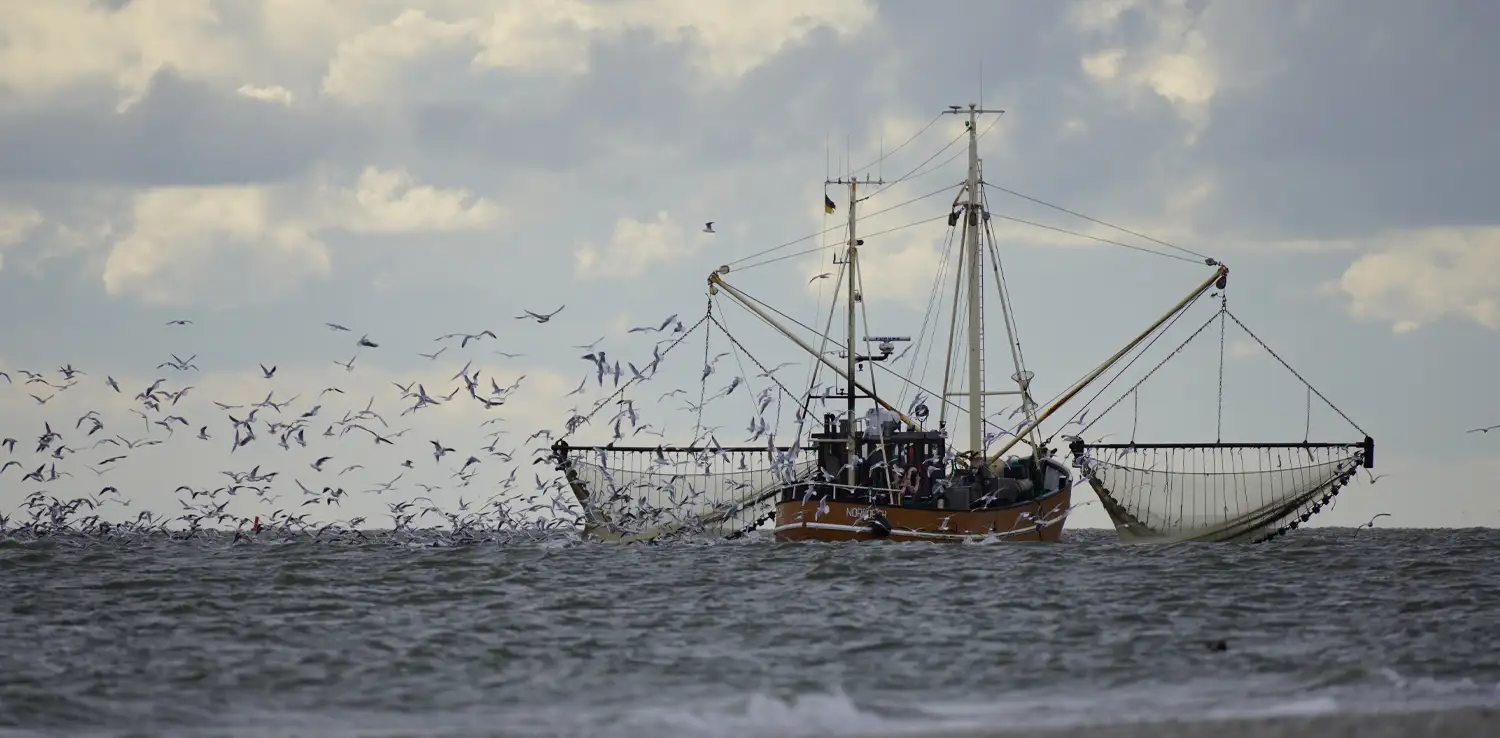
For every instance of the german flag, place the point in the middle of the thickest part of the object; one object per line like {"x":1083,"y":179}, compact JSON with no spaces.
{"x":828,"y":205}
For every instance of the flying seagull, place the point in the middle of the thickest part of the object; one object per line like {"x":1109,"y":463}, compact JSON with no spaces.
{"x":709,"y":227}
{"x":540,"y":317}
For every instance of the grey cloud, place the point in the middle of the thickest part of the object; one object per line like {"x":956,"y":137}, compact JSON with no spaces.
{"x":1382,"y":123}
{"x":182,"y":133}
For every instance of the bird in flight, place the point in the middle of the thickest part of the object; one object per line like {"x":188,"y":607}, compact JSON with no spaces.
{"x":1483,"y":430}
{"x":540,"y":317}
{"x":709,"y":227}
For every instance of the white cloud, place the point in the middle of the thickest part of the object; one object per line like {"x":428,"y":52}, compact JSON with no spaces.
{"x":1243,"y":348}
{"x":392,"y":201}
{"x":364,"y":66}
{"x":1103,"y":65}
{"x":272,"y":93}
{"x":1178,"y":65}
{"x":1411,"y":279}
{"x":16,"y":223}
{"x":727,"y":39}
{"x":634,"y":246}
{"x":221,"y":243}
{"x":235,"y":244}
{"x":361,"y":48}
{"x":50,"y":45}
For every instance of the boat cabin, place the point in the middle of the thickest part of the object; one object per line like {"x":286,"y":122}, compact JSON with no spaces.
{"x":906,"y":467}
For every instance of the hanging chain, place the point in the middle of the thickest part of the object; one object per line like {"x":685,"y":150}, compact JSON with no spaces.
{"x":1135,"y":418}
{"x":1311,"y":389}
{"x":1307,"y":432}
{"x":708,"y":314}
{"x":1223,"y":320}
{"x":736,"y":343}
{"x":633,"y":380}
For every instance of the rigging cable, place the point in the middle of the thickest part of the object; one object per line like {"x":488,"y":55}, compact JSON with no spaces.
{"x":1100,"y":239}
{"x":826,"y":231}
{"x":703,"y":382}
{"x":735,"y":343}
{"x":1095,"y":220}
{"x":827,"y":340}
{"x":1289,"y":368}
{"x":903,"y":145}
{"x":927,"y":315}
{"x":901,"y":227}
{"x":621,"y":389}
{"x":913,"y":174}
{"x":1012,"y":333}
{"x":1148,"y":375}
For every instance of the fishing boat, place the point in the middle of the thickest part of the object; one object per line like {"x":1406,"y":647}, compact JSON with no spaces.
{"x":861,"y":468}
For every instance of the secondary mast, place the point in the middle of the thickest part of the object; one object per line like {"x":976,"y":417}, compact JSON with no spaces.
{"x":853,"y":297}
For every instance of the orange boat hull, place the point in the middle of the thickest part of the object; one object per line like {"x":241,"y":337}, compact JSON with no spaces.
{"x":815,"y":520}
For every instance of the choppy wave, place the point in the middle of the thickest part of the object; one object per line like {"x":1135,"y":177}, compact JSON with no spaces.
{"x":507,"y":636}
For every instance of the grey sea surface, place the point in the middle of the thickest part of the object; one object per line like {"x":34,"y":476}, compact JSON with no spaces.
{"x":1327,"y":632}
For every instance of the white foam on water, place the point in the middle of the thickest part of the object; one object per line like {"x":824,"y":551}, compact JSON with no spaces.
{"x":835,"y":714}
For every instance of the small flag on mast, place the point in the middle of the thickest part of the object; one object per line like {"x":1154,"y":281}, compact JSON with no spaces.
{"x":828,"y":205}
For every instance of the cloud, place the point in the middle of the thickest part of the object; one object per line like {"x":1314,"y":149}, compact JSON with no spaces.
{"x":363,"y":67}
{"x":16,"y":223}
{"x":48,"y":47}
{"x":1103,"y":65}
{"x":226,"y":244}
{"x":180,"y":132}
{"x":392,"y":201}
{"x":1174,"y":60}
{"x":633,"y":248}
{"x":272,"y":93}
{"x":231,"y":245}
{"x":1411,"y":279}
{"x":1244,"y":348}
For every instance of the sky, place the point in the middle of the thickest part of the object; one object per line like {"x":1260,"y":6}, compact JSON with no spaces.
{"x":412,"y":169}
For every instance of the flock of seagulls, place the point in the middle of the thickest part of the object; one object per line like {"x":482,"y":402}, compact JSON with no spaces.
{"x":258,"y":458}
{"x":294,"y":459}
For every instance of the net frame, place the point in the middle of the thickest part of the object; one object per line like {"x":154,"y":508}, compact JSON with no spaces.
{"x":1139,"y":496}
{"x":652,"y":493}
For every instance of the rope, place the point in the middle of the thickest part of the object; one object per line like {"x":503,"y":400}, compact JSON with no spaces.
{"x":825,"y":247}
{"x":932,"y":301}
{"x":1137,"y":385}
{"x":1096,"y":220}
{"x":913,"y":174}
{"x":744,"y":375}
{"x":1310,"y":388}
{"x":829,"y":341}
{"x":1140,"y":352}
{"x":903,"y":145}
{"x":1095,"y":238}
{"x":759,"y":366}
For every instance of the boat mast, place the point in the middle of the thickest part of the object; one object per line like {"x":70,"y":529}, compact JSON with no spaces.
{"x":972,"y":258}
{"x":853,"y":297}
